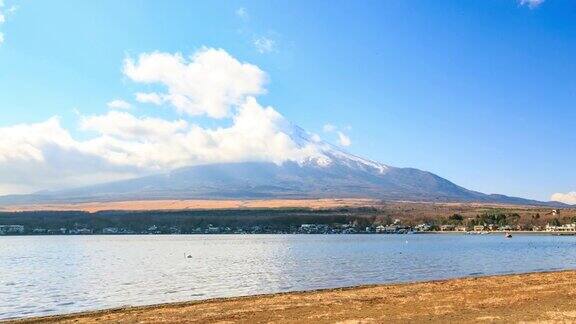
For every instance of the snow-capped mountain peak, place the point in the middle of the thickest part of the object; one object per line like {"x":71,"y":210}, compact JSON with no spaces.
{"x":329,"y":154}
{"x":329,"y":172}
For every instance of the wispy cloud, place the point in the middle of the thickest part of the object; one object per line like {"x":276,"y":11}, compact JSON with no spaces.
{"x":264,"y":45}
{"x":2,"y":21}
{"x":531,"y":3}
{"x":119,"y":104}
{"x":242,"y":13}
{"x":263,"y":42}
{"x":343,"y":139}
{"x":152,"y":98}
{"x":328,"y":128}
{"x":4,"y":13}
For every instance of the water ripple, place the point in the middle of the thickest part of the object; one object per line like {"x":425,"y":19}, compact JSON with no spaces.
{"x":63,"y":274}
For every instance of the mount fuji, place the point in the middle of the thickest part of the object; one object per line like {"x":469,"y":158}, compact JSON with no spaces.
{"x":332,"y":173}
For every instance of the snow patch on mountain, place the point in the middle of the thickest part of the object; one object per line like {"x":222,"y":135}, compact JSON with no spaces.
{"x":329,"y":155}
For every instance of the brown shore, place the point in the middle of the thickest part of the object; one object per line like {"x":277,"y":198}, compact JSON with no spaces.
{"x":537,"y":297}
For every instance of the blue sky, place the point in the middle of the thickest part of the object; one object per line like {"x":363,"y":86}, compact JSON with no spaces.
{"x":482,"y":93}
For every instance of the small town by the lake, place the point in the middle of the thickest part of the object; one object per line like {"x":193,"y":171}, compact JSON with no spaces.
{"x":360,"y":225}
{"x":287,"y":161}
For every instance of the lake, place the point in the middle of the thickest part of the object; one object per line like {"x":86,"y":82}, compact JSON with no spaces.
{"x":43,"y":275}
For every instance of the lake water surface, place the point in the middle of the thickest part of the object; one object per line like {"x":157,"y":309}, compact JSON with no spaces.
{"x":42,"y":275}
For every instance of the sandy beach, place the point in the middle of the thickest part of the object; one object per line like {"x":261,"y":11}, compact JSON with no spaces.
{"x":537,"y":297}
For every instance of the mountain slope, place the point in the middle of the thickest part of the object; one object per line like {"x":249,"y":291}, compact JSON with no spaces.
{"x":332,"y":173}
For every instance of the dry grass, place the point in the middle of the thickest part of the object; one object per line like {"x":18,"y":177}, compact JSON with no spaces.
{"x":407,"y":211}
{"x":197,"y":204}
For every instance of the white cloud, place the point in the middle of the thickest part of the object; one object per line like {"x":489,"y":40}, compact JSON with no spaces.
{"x":242,"y":13}
{"x":119,"y":104}
{"x":329,"y":128}
{"x":25,"y":142}
{"x":44,"y":155}
{"x":343,"y":139}
{"x":151,"y":97}
{"x":567,"y":198}
{"x":1,"y":38}
{"x":257,"y":134}
{"x":531,"y":3}
{"x":126,"y":126}
{"x":264,"y":45}
{"x":119,"y":145}
{"x":210,"y":83}
{"x":2,"y":18}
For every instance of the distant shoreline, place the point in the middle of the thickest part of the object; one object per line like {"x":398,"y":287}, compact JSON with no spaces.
{"x":544,"y":233}
{"x":312,"y":216}
{"x":504,"y":232}
{"x":541,"y":296}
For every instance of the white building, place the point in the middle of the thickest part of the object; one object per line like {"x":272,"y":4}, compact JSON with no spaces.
{"x":563,"y":228}
{"x":422,"y":228}
{"x":11,"y":229}
{"x":110,"y":230}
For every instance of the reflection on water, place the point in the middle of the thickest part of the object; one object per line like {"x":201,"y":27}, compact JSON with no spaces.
{"x":41,"y":275}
